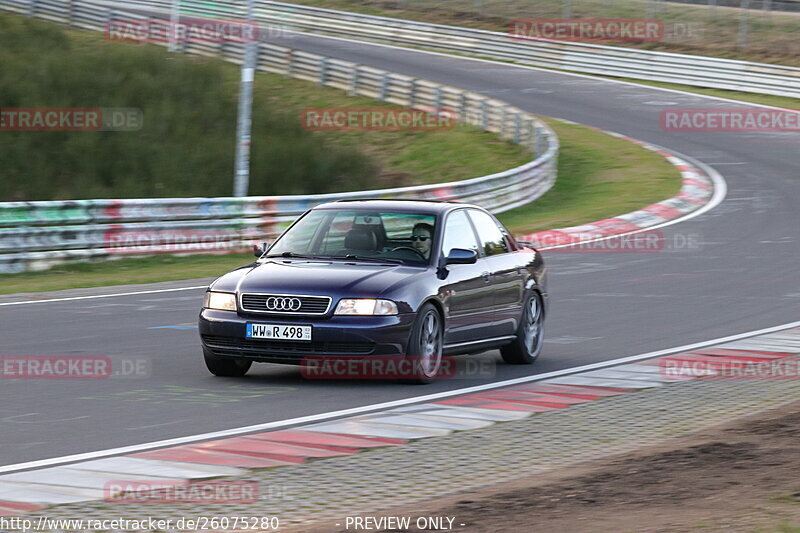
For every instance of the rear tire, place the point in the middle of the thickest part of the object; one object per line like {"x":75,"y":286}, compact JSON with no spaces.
{"x":225,"y":367}
{"x":424,"y":350}
{"x":530,"y":334}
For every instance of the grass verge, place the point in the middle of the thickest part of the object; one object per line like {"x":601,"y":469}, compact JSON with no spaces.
{"x":599,"y":176}
{"x":592,"y":185}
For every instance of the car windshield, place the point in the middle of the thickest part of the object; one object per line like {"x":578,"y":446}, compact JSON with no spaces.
{"x":393,"y":237}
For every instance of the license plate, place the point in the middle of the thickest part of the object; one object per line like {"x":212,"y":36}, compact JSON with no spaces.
{"x":279,"y":331}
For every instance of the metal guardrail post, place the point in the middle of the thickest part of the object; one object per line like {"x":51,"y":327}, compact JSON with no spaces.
{"x":289,"y":61}
{"x":354,"y":81}
{"x":437,"y":102}
{"x":412,"y":96}
{"x":517,"y":127}
{"x":539,"y":139}
{"x":323,"y":71}
{"x":531,"y":135}
{"x":32,"y":8}
{"x":484,"y":114}
{"x":384,"y":87}
{"x":174,"y":17}
{"x":149,"y":31}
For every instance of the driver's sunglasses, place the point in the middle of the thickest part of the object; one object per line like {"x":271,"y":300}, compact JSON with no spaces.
{"x":422,"y":238}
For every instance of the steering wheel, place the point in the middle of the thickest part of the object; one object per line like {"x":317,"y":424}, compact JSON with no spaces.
{"x":421,"y":256}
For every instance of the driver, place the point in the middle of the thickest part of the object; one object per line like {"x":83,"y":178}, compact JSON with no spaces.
{"x":421,"y":237}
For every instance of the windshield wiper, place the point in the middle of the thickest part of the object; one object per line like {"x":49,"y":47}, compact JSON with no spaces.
{"x":292,"y":255}
{"x":372,"y":259}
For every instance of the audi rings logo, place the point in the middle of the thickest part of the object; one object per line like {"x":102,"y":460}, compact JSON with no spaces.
{"x":276,"y":303}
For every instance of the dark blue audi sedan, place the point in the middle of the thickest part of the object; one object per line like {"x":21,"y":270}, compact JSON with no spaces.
{"x":380,"y":279}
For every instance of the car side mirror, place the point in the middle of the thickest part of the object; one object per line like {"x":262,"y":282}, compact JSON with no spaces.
{"x":258,"y":250}
{"x":461,"y":256}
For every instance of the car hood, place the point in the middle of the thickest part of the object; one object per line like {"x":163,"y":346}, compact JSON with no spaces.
{"x":312,"y":277}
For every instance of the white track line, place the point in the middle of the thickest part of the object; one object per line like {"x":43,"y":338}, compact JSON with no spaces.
{"x":378,"y":406}
{"x":102,"y":296}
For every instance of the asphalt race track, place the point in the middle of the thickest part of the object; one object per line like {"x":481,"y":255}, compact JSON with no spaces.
{"x":742,"y":277}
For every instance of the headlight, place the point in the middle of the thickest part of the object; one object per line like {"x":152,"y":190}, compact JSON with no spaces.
{"x":220,"y":300}
{"x":366,"y":307}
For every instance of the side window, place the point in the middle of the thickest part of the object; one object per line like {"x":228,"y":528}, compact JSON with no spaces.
{"x":492,"y":240}
{"x":458,"y":233}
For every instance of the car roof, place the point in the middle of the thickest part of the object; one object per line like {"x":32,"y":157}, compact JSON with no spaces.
{"x":433,"y":207}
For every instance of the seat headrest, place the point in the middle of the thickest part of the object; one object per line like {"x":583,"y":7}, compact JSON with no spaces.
{"x":361,"y":239}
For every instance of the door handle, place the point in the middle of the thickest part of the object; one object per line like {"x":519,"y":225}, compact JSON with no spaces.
{"x":487,"y":276}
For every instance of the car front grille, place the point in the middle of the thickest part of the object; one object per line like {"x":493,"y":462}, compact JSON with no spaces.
{"x":265,"y":303}
{"x":239,"y":346}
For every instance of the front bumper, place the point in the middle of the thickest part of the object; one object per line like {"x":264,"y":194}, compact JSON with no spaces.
{"x":223,"y":334}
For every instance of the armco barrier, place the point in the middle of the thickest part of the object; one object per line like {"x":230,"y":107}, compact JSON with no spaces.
{"x":699,"y":71}
{"x":37,"y":235}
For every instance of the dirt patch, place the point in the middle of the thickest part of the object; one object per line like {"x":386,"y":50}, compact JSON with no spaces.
{"x":743,"y":476}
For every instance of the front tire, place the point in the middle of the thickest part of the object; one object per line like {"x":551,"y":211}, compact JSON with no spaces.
{"x":530,"y":334}
{"x":225,"y":367}
{"x":425,"y":346}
